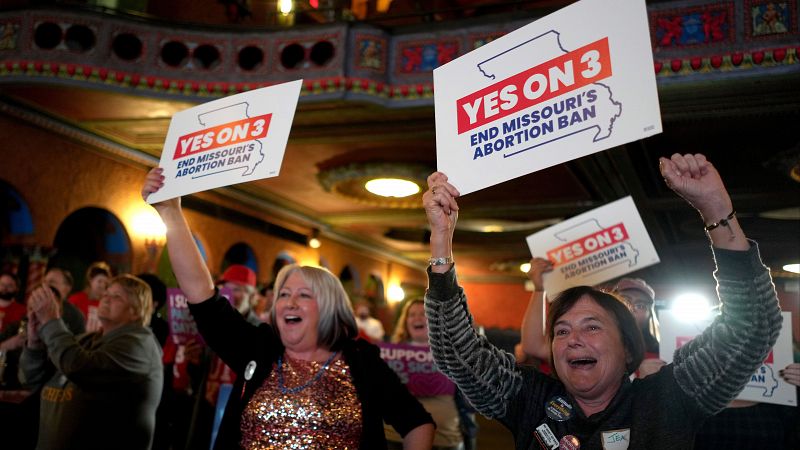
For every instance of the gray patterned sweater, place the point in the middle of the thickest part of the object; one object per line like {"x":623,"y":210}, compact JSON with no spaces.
{"x":662,"y":411}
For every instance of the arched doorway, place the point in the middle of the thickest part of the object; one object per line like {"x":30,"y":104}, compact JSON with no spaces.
{"x":240,"y":253}
{"x":16,"y":233}
{"x":87,"y":235}
{"x":283,"y":259}
{"x":16,"y":221}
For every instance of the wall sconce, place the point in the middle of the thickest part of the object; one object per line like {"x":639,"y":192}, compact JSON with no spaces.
{"x":148,"y":225}
{"x":313,"y":240}
{"x":395,"y":293}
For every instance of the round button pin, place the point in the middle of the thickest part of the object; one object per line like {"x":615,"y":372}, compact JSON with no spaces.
{"x":558,"y":409}
{"x":249,"y":370}
{"x":569,"y":442}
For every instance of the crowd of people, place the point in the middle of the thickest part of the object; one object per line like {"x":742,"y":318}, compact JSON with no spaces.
{"x":297,"y":364}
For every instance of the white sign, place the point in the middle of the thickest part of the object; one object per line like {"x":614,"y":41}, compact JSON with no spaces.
{"x":596,"y":246}
{"x":765,"y":385}
{"x":576,"y":82}
{"x":228,"y":141}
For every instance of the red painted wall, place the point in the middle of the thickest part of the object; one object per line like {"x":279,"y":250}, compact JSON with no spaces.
{"x":497,"y":305}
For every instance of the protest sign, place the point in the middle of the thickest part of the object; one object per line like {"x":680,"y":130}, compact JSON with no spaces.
{"x":596,"y":246}
{"x":227,"y":141}
{"x":765,"y":385}
{"x":578,"y":81}
{"x":416,"y":369}
{"x":182,"y":326}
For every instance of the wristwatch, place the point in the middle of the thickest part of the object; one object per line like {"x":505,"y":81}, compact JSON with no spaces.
{"x":440,"y":261}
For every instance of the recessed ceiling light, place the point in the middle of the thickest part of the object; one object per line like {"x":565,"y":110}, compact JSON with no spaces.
{"x":392,"y":187}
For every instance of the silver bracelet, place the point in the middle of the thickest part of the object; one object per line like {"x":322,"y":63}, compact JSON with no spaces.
{"x":440,"y":261}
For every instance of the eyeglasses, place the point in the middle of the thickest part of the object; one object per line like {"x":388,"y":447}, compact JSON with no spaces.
{"x":639,"y":306}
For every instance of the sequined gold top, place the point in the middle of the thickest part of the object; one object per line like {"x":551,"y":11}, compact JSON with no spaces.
{"x":324,"y":415}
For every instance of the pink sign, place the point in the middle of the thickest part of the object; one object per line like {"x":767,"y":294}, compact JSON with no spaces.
{"x":415,"y":366}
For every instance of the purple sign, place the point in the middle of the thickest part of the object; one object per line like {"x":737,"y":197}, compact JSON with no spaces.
{"x":181,"y":323}
{"x":182,"y":326}
{"x":415,"y":367}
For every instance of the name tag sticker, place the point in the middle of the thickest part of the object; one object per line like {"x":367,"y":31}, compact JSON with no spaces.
{"x":546,"y":437}
{"x":616,"y":439}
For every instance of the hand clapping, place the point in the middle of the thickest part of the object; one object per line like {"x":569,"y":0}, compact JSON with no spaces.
{"x":43,"y":305}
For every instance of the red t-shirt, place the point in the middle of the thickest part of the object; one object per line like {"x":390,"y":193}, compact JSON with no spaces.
{"x":13,"y":312}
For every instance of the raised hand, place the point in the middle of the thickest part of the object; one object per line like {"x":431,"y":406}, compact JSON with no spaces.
{"x":440,"y":203}
{"x":442,"y":211}
{"x":187,"y":263}
{"x":539,"y":266}
{"x":696,"y":180}
{"x":152,"y":183}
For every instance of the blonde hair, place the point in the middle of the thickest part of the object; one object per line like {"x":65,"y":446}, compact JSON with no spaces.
{"x":401,"y":327}
{"x":140,"y":297}
{"x":337,"y":322}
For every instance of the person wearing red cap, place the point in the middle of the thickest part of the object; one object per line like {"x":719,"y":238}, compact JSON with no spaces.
{"x":241,"y":280}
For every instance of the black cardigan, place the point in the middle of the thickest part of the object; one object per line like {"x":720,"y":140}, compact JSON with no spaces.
{"x":383,"y":397}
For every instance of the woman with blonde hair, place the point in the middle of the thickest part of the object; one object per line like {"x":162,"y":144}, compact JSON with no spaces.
{"x":302,"y":381}
{"x":412,"y":329}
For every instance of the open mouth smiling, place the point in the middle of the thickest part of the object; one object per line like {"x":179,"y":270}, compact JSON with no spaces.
{"x":292,"y":319}
{"x":582,"y":363}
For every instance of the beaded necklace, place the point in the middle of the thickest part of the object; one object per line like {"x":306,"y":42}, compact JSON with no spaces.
{"x":294,"y":390}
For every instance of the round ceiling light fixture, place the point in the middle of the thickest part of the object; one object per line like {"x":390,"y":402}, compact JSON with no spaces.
{"x":384,"y":184}
{"x":392,"y":187}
